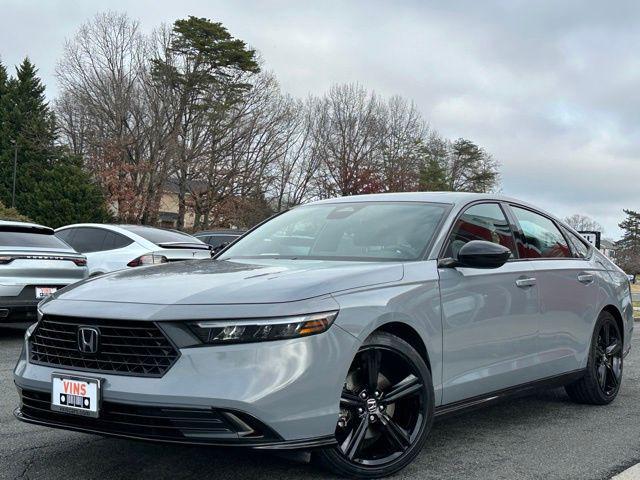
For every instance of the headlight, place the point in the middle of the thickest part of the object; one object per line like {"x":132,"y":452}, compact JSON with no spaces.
{"x":263,"y":329}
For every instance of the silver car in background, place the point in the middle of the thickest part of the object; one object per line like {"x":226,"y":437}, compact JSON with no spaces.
{"x":33,"y":264}
{"x":344,"y":326}
{"x":116,"y":247}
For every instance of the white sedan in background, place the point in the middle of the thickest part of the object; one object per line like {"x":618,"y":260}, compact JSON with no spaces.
{"x":115,"y":247}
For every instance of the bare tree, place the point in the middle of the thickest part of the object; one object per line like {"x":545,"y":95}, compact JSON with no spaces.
{"x":99,"y":75}
{"x":404,"y":134}
{"x":347,"y":138}
{"x":583,"y":223}
{"x":168,"y":110}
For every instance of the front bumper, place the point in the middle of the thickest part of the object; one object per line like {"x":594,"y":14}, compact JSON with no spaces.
{"x":186,"y":426}
{"x":286,"y":391}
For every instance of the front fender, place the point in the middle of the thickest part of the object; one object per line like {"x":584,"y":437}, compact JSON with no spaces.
{"x":415,"y":301}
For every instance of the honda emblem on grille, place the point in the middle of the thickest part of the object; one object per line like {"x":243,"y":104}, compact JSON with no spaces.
{"x":88,"y":339}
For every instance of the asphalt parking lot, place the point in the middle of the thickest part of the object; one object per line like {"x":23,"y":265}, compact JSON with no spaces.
{"x":540,"y":436}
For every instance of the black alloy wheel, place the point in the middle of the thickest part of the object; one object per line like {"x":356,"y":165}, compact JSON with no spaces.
{"x":608,"y":361}
{"x":386,"y":410}
{"x":603,"y":377}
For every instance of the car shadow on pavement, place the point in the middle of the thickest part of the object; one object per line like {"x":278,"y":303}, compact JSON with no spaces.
{"x":12,"y":332}
{"x":109,"y":458}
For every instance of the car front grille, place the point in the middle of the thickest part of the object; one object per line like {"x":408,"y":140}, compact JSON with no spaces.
{"x":125,"y":347}
{"x":183,"y":425}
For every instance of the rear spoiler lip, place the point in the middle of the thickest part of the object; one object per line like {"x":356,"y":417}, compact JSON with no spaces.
{"x":41,"y":253}
{"x":184,"y":246}
{"x":38,"y":229}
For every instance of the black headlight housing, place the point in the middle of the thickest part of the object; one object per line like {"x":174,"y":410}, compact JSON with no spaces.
{"x":225,"y":332}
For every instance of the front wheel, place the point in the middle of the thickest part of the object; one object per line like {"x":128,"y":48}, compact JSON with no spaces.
{"x":386,"y":410}
{"x":602,"y":379}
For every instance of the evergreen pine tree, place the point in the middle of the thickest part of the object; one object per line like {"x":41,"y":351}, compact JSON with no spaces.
{"x":51,"y":186}
{"x":628,"y":247}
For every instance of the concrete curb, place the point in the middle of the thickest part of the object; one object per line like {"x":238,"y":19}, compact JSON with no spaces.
{"x":632,"y":473}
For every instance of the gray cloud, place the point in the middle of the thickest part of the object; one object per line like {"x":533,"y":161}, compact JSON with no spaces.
{"x":549,"y":88}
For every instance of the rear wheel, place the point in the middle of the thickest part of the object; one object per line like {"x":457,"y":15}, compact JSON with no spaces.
{"x":601,"y":382}
{"x":386,"y":410}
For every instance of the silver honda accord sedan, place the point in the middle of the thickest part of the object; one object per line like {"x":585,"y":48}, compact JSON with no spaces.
{"x":343,"y":326}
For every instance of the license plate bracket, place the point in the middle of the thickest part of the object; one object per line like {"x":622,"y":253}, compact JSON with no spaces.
{"x":76,"y":395}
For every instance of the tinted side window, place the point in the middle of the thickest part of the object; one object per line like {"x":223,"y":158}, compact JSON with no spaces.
{"x":485,"y":221}
{"x":580,"y":250}
{"x":66,"y":235}
{"x":542,"y":238}
{"x":206,"y":238}
{"x":87,"y":240}
{"x":113,"y":240}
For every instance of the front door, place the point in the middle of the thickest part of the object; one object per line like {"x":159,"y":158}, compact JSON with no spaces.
{"x":490,"y":317}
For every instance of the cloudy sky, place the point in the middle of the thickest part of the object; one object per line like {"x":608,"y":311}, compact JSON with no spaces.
{"x":551,"y":89}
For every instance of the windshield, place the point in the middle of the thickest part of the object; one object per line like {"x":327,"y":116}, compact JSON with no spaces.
{"x":361,"y":231}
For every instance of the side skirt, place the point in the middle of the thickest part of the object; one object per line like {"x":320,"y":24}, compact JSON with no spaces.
{"x":498,"y":395}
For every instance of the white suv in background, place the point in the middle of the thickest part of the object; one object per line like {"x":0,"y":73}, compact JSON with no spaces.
{"x":115,"y":247}
{"x":33,"y":265}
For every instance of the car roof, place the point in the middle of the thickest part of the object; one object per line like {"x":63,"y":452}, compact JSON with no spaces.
{"x":452,"y":198}
{"x":25,"y":226}
{"x":10,"y":223}
{"x":108,"y":226}
{"x":456,"y":199}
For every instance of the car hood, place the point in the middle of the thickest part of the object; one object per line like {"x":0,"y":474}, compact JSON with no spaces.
{"x":232,"y":281}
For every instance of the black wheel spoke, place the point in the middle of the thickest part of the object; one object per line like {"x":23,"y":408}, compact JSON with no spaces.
{"x":395,"y":433}
{"x":349,"y":399}
{"x":602,"y":376}
{"x":352,"y":443}
{"x":372,"y":369}
{"x":407,"y":387}
{"x":606,"y":333}
{"x":613,"y":349}
{"x":612,"y":375}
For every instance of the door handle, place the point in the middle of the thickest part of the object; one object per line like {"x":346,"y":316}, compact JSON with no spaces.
{"x":525,"y":282}
{"x":585,"y":278}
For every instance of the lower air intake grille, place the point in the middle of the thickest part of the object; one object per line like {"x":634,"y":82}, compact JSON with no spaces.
{"x":182,"y":425}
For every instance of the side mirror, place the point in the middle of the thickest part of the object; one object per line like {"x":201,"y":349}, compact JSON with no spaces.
{"x":479,"y":254}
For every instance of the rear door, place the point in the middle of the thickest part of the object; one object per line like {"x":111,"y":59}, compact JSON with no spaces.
{"x":490,"y":316}
{"x":105,"y":250}
{"x":568,"y":290}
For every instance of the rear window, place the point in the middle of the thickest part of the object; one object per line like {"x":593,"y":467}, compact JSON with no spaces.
{"x":33,"y":240}
{"x":217,"y":240}
{"x":159,"y":236}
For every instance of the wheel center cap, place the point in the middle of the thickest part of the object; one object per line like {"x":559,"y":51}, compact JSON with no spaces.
{"x":372,"y":405}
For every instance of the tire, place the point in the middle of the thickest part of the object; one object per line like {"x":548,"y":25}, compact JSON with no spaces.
{"x":397,"y":415}
{"x":605,"y":359}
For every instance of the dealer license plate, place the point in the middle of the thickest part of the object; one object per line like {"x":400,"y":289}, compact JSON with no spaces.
{"x":44,"y":292}
{"x":75,"y":395}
